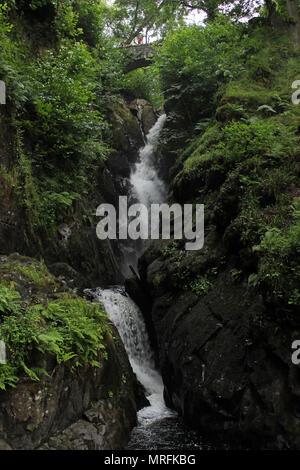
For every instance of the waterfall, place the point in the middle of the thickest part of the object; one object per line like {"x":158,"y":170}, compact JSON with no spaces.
{"x":128,"y":319}
{"x":148,"y":188}
{"x":158,"y":426}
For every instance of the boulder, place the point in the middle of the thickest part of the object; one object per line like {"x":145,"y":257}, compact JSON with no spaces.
{"x":144,"y":112}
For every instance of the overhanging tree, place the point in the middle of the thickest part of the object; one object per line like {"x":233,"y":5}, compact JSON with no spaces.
{"x":132,"y":18}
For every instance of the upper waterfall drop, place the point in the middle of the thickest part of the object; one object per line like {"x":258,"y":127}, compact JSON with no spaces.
{"x":148,"y":187}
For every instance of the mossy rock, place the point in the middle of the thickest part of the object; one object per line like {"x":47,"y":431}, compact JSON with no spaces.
{"x":63,"y":355}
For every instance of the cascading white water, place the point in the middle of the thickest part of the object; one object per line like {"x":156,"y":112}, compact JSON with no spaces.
{"x":128,"y":319}
{"x":158,"y":426}
{"x":147,"y":186}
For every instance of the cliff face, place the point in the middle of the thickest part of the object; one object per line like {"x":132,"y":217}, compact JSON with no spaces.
{"x":89,"y":407}
{"x":72,"y":249}
{"x":72,"y":411}
{"x":225,"y":364}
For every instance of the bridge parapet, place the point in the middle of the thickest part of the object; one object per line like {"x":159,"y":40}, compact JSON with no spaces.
{"x":142,"y":56}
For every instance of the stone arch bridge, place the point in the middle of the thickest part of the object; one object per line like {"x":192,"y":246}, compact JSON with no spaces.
{"x":140,"y":56}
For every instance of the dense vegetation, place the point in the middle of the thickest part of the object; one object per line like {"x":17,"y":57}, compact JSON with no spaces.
{"x":229,"y":93}
{"x":55,"y":102}
{"x":53,"y":323}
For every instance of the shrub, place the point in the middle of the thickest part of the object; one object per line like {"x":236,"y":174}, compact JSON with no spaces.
{"x":195,"y":61}
{"x":71,"y":329}
{"x":279,"y":261}
{"x":143,"y":83}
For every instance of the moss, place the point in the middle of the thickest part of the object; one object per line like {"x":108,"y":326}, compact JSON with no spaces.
{"x":124,"y":124}
{"x":40,"y":318}
{"x":158,"y":279}
{"x":38,"y":274}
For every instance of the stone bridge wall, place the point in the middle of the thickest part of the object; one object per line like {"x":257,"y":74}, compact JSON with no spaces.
{"x":142,"y":56}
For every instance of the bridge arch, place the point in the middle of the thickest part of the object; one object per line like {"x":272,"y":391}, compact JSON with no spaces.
{"x":141,"y":56}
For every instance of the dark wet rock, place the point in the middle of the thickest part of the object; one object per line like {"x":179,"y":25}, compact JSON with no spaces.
{"x":225,"y":358}
{"x":141,"y":399}
{"x":145,"y":113}
{"x":100,"y":428}
{"x":127,"y":134}
{"x":4,"y":445}
{"x":138,"y":291}
{"x":119,"y":164}
{"x":67,"y":274}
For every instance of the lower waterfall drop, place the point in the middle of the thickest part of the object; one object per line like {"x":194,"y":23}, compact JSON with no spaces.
{"x":128,"y":319}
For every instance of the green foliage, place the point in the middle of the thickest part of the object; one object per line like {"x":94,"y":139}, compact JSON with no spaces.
{"x":5,"y":26}
{"x":195,"y":61}
{"x":132,"y":18}
{"x":242,"y":159}
{"x":236,"y":274}
{"x":56,"y":105}
{"x":63,"y":122}
{"x":66,"y":19}
{"x":9,"y":300}
{"x":20,"y":332}
{"x":71,"y":329}
{"x":279,"y":251}
{"x":143,"y":83}
{"x":129,"y":19}
{"x":78,"y":326}
{"x":239,"y":142}
{"x":200,"y":286}
{"x":39,"y":276}
{"x":266,"y":139}
{"x":91,"y":20}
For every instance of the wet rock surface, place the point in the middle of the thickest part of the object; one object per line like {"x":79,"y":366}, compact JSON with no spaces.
{"x":145,"y":113}
{"x":102,"y":427}
{"x":224,"y":357}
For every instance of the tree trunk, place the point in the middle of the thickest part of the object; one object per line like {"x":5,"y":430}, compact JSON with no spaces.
{"x":274,"y":17}
{"x":293,"y":12}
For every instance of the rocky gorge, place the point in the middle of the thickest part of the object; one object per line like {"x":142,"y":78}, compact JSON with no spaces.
{"x":207,"y":333}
